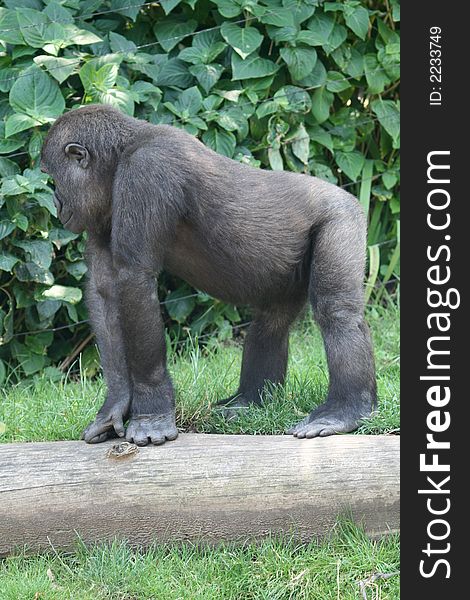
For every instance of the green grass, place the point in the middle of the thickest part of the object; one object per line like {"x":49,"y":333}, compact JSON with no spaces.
{"x":41,"y":409}
{"x":271,"y":570}
{"x":274,"y":569}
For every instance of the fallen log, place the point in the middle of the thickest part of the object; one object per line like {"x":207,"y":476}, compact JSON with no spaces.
{"x":207,"y":488}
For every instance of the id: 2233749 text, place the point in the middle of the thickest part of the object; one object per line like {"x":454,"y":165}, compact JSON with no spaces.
{"x":435,"y":66}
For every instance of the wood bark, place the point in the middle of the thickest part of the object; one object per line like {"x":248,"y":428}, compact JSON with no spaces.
{"x":208,"y":488}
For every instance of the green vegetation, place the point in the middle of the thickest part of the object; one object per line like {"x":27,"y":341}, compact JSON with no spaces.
{"x":281,"y":84}
{"x":270,"y":570}
{"x":41,"y":409}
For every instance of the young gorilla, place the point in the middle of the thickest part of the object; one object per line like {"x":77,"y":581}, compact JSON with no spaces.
{"x":154,"y":197}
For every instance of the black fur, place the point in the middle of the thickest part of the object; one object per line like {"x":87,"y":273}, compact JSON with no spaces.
{"x":154,"y":197}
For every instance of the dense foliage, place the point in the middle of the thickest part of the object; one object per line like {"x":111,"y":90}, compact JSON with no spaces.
{"x":303,"y":85}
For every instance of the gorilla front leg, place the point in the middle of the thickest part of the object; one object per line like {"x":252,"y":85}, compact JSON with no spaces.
{"x":152,"y":411}
{"x":104,"y":315}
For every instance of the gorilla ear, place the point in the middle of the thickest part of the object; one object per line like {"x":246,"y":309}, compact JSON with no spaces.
{"x":78,"y":153}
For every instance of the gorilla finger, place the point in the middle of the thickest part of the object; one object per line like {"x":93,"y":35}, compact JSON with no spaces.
{"x":141,"y":437}
{"x":172,"y":434}
{"x":315,"y":430}
{"x":98,"y":439}
{"x":94,"y":430}
{"x":157,"y":439}
{"x":297,"y":427}
{"x":328,"y":431}
{"x":119,"y":426}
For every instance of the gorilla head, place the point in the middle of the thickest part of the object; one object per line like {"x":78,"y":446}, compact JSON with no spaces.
{"x":80,"y":154}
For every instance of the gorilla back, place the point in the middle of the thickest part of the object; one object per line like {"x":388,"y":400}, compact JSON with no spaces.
{"x":154,"y":197}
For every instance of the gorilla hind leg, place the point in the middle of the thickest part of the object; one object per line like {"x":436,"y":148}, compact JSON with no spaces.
{"x":265,"y":354}
{"x":337,"y":297}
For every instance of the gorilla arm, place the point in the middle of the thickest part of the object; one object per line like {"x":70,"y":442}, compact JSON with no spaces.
{"x":144,"y":217}
{"x":104,"y":313}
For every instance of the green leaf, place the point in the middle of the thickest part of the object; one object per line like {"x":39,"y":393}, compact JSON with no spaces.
{"x":9,"y":27}
{"x":6,"y":227}
{"x":7,"y":261}
{"x":280,"y":17}
{"x":275,"y":159}
{"x":61,"y":237}
{"x":96,"y":78}
{"x":33,"y":26}
{"x":375,"y":74}
{"x":21,"y":221}
{"x":301,"y":144}
{"x":82,"y":37}
{"x":326,"y":32}
{"x":223,"y":142}
{"x":321,"y":102}
{"x":316,"y":78}
{"x":44,"y":199}
{"x":178,"y":305}
{"x":357,"y":19}
{"x":8,"y":145}
{"x":252,"y":67}
{"x":77,"y":269}
{"x":174,"y":73}
{"x":17,"y":122}
{"x":207,"y":75}
{"x":188,"y":104}
{"x":191,"y":55}
{"x":366,"y":185}
{"x":234,"y":119}
{"x":169,"y":5}
{"x":293,"y":99}
{"x":389,"y":179}
{"x":321,"y":136}
{"x":37,"y":251}
{"x":243,"y":40}
{"x":59,"y":68}
{"x":64,"y":293}
{"x":8,"y":168}
{"x":209,"y":44}
{"x":336,"y":82}
{"x":300,"y":61}
{"x":228,"y":8}
{"x":37,"y":95}
{"x":30,"y":361}
{"x":119,"y":43}
{"x":388,"y":115}
{"x":355,"y":66}
{"x":127,"y":8}
{"x":350,"y":163}
{"x":31,"y":272}
{"x":121,"y":99}
{"x":171,"y":31}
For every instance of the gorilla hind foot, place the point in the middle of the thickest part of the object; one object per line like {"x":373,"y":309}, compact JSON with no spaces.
{"x":329,"y":419}
{"x":232,"y":407}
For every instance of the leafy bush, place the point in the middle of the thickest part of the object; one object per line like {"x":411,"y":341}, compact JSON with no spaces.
{"x":281,"y":84}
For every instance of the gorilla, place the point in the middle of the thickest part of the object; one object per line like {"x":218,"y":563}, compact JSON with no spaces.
{"x":153,"y":197}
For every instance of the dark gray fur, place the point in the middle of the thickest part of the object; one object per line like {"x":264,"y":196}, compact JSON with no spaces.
{"x":154,"y":197}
